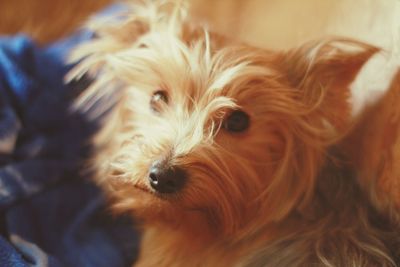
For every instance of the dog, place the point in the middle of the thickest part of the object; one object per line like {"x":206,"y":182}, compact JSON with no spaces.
{"x":227,"y":154}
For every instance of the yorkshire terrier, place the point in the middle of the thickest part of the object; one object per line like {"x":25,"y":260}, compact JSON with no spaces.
{"x":228,"y":154}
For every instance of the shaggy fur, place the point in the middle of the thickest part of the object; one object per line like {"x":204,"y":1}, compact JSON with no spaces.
{"x":274,"y":195}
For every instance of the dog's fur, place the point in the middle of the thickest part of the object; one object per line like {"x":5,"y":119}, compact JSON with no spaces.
{"x":281,"y":193}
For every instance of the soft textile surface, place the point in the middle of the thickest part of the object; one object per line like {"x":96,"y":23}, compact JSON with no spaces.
{"x":50,"y":212}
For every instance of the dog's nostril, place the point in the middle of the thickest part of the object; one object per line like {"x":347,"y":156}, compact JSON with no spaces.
{"x":166,"y":179}
{"x":153,"y":178}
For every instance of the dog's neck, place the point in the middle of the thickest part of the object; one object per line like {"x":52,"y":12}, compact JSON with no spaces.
{"x":180,"y":244}
{"x":194,"y":241}
{"x":178,"y":248}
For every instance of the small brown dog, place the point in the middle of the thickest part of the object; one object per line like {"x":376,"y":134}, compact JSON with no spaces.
{"x":228,"y":154}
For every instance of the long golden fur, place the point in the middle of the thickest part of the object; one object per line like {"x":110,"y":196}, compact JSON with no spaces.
{"x":280,"y":193}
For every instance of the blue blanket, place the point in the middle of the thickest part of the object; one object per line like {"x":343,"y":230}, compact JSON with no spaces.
{"x":50,"y":212}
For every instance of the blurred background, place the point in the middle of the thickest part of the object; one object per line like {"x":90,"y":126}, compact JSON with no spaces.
{"x":45,"y":20}
{"x":285,"y":23}
{"x":265,"y":23}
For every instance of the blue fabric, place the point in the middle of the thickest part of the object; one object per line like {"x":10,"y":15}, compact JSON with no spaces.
{"x":50,"y":212}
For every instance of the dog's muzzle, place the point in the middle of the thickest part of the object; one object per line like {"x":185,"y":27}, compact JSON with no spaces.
{"x":165,"y":178}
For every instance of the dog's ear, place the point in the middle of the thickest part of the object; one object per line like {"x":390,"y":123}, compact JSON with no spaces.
{"x":319,"y":76}
{"x":323,"y":71}
{"x":122,"y":29}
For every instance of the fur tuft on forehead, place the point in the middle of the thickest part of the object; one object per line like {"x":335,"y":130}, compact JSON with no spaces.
{"x":191,"y":62}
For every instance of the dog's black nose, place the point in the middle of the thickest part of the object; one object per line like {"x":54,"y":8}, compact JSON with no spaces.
{"x":166,"y":179}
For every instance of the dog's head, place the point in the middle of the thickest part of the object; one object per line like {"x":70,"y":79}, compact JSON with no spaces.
{"x":207,"y":127}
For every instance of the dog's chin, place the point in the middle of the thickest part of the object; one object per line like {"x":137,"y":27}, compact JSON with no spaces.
{"x":143,"y":188}
{"x":140,"y":200}
{"x":151,"y":208}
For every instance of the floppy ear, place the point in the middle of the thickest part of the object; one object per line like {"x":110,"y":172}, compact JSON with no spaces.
{"x":121,"y":30}
{"x":323,"y":72}
{"x":110,"y":34}
{"x":319,"y":75}
{"x":119,"y":37}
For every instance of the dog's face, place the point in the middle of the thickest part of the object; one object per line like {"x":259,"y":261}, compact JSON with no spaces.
{"x":207,"y":128}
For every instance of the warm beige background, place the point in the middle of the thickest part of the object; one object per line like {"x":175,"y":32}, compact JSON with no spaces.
{"x":284,"y":23}
{"x":267,"y":23}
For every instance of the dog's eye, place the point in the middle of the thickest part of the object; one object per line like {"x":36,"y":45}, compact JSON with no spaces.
{"x":158,"y":99}
{"x":237,"y":121}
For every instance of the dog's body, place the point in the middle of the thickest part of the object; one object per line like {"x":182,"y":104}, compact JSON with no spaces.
{"x":230,"y":155}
